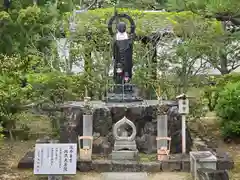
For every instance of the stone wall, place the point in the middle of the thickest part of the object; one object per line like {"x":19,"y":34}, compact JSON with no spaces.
{"x":142,"y":114}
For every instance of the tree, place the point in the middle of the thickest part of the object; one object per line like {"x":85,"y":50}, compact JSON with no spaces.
{"x":136,"y":4}
{"x":219,"y":48}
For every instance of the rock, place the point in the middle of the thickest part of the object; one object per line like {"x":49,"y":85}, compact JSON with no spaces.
{"x":200,"y":144}
{"x":45,"y":139}
{"x":102,"y":120}
{"x":102,"y":146}
{"x":147,"y":144}
{"x":150,"y":128}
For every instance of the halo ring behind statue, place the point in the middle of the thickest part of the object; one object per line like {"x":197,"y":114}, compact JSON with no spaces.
{"x":125,"y":16}
{"x":120,"y":123}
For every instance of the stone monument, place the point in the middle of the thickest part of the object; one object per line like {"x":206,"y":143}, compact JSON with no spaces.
{"x":125,"y":147}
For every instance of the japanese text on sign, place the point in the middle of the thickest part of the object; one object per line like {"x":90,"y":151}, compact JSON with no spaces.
{"x":55,"y":159}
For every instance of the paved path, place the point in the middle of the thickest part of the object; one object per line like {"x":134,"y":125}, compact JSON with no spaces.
{"x":155,"y":176}
{"x":124,"y":176}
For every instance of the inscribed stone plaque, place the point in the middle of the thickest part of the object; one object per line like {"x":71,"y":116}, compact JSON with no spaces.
{"x":162,"y":130}
{"x":87,"y":129}
{"x":124,"y":176}
{"x":55,"y":159}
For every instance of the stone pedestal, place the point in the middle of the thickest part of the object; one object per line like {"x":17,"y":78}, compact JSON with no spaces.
{"x":202,"y":159}
{"x":125,"y":147}
{"x":125,"y":150}
{"x":124,"y":155}
{"x":122,"y":144}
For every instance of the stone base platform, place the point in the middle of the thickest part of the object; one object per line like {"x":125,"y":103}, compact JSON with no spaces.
{"x":124,"y":155}
{"x":177,"y":162}
{"x":127,"y":175}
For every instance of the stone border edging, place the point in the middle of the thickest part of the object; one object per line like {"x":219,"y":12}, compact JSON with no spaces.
{"x":179,"y":163}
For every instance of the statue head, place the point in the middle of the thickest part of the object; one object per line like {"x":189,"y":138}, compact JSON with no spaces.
{"x":121,"y":27}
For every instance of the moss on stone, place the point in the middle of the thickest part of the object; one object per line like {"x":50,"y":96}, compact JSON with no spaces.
{"x":147,"y":157}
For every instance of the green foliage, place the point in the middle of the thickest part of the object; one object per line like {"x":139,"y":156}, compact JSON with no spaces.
{"x":205,"y":6}
{"x":196,"y":108}
{"x":228,"y":106}
{"x":1,"y":132}
{"x":11,"y":93}
{"x":228,"y":109}
{"x":215,"y":86}
{"x":28,"y":31}
{"x":138,"y":4}
{"x":28,"y":50}
{"x":215,"y":45}
{"x":54,"y":87}
{"x":185,"y":24}
{"x":94,"y":21}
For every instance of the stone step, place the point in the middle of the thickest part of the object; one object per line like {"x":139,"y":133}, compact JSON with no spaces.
{"x":124,"y":176}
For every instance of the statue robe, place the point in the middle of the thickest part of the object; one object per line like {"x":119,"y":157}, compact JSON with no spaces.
{"x":122,"y":53}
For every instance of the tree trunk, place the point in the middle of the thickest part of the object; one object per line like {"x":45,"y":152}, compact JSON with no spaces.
{"x":223,"y":65}
{"x":154,"y":62}
{"x":184,"y":77}
{"x":88,"y":70}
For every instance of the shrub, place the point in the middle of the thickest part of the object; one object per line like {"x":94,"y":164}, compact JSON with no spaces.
{"x":230,"y":129}
{"x":228,"y":109}
{"x":196,"y":108}
{"x":215,"y":86}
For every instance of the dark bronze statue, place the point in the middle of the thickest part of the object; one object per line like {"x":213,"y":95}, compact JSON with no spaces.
{"x":122,"y":57}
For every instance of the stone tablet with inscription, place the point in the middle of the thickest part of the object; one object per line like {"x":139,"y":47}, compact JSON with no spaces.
{"x":124,"y":176}
{"x":55,"y":159}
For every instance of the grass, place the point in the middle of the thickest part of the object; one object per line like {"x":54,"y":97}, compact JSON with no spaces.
{"x":147,"y":157}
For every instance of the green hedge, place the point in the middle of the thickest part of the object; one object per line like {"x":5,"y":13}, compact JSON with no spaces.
{"x":228,"y":109}
{"x":147,"y":22}
{"x":211,"y":92}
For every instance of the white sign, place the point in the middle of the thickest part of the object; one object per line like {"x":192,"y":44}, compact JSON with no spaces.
{"x":55,"y":159}
{"x":183,"y":106}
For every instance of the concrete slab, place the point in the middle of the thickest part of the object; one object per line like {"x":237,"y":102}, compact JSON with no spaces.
{"x":124,"y":176}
